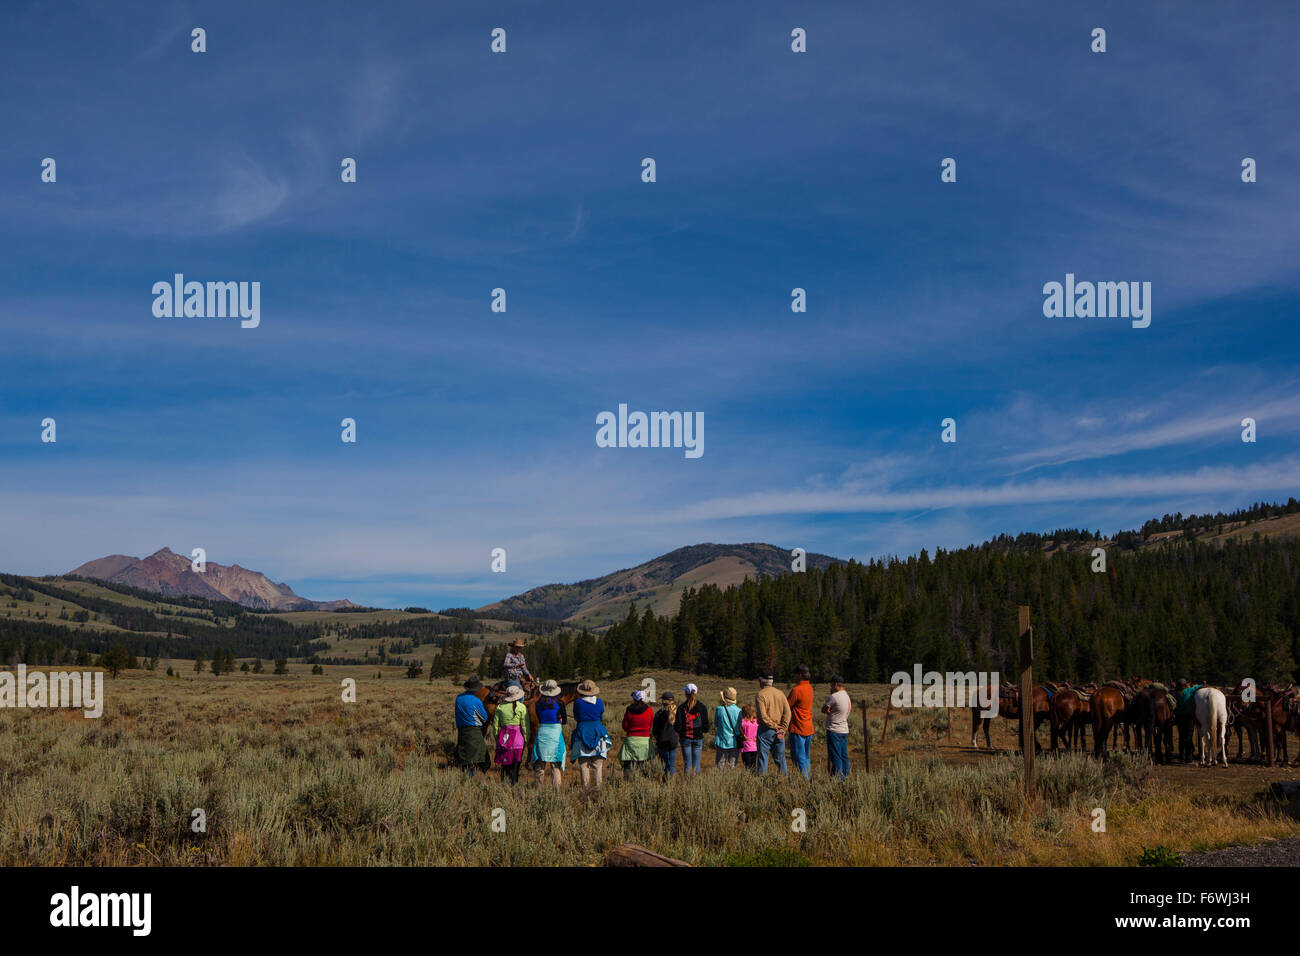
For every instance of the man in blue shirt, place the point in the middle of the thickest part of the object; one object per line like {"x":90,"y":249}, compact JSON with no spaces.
{"x":471,"y":725}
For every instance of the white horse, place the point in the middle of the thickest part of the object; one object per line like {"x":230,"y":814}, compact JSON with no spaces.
{"x":1212,"y":718}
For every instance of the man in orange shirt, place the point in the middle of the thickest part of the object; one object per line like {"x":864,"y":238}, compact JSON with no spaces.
{"x":801,"y":721}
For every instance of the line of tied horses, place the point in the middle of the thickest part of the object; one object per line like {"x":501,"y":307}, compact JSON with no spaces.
{"x":1148,"y":708}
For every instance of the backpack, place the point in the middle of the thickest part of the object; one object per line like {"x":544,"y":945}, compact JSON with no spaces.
{"x":667,"y":736}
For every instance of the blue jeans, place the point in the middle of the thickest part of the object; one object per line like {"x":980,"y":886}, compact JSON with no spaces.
{"x":669,"y":756}
{"x":691,"y":754}
{"x":767,"y":741}
{"x":801,"y":750}
{"x":837,"y":753}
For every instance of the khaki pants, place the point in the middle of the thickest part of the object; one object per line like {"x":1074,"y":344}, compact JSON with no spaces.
{"x":590,"y":767}
{"x":556,"y":777}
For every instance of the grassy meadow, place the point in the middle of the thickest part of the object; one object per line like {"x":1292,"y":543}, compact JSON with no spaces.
{"x":288,"y":774}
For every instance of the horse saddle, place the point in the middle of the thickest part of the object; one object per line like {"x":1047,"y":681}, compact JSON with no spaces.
{"x":1125,"y":690}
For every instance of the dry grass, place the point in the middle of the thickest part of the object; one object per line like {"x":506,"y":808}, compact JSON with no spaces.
{"x":287,"y":774}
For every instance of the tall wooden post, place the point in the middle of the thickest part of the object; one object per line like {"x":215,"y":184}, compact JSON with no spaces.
{"x":1027,"y":736}
{"x":889,"y":706}
{"x":866,"y":739}
{"x":1268,"y":731}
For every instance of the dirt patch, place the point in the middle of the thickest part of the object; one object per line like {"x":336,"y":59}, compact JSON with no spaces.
{"x":1269,"y":853}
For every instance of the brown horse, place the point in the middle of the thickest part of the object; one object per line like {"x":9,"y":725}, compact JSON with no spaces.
{"x":1109,"y":711}
{"x":1152,"y":714}
{"x":1083,"y":720}
{"x":489,"y":697}
{"x":1009,"y":707}
{"x":1240,"y":722}
{"x":1067,"y":711}
{"x":1040,"y":712}
{"x":1280,"y":712}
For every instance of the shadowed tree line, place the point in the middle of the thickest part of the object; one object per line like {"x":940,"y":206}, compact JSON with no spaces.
{"x":1210,"y":612}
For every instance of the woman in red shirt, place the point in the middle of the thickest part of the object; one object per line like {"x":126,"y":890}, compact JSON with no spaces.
{"x":637,"y":721}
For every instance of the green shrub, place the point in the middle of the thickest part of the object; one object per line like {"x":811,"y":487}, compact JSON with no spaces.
{"x":1160,"y":856}
{"x":771,"y":856}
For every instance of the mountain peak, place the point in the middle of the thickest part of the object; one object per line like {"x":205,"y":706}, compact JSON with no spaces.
{"x":657,"y":583}
{"x":170,"y":574}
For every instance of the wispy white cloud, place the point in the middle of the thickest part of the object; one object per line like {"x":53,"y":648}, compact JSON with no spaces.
{"x":1271,"y":477}
{"x":1105,"y":436}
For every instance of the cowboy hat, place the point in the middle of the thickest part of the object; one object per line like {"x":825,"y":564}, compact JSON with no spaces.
{"x":513,"y":693}
{"x":728,"y":696}
{"x":549,"y":689}
{"x":588,"y":688}
{"x":516,"y":643}
{"x":473,"y":683}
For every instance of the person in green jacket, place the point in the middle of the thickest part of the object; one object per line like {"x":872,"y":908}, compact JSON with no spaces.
{"x":510,"y":724}
{"x":1185,"y":718}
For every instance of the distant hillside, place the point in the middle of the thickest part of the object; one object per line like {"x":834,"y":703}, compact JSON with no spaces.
{"x":658,"y":583}
{"x":73,"y":619}
{"x":171,"y":575}
{"x":1281,"y":520}
{"x":1208,"y":597}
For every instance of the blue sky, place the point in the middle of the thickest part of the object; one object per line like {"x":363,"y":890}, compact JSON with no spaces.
{"x":477,"y":430}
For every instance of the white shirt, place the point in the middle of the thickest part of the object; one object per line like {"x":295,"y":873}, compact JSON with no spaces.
{"x":837,"y":717}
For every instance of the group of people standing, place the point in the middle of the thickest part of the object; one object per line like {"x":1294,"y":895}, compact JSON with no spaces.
{"x":589,"y":742}
{"x":753,"y":735}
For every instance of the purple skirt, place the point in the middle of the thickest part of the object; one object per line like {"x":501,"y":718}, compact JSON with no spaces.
{"x":510,"y":746}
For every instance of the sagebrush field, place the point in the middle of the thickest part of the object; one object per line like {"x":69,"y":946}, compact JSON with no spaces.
{"x":287,"y":774}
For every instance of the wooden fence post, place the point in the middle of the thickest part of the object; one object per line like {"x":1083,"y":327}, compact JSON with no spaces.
{"x":1027,"y":735}
{"x":866,"y":738}
{"x":889,"y":705}
{"x":1268,"y":730}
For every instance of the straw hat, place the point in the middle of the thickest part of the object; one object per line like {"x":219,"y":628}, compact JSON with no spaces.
{"x":588,"y":688}
{"x":729,"y":695}
{"x":513,"y":693}
{"x":549,"y":689}
{"x":516,"y":643}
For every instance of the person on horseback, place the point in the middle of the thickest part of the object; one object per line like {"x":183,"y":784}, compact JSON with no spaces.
{"x":514,"y":669}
